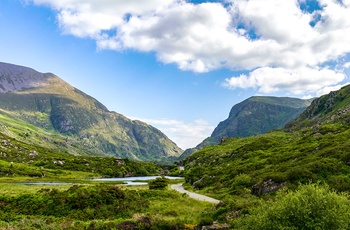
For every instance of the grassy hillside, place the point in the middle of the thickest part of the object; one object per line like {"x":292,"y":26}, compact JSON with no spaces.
{"x":82,"y":203}
{"x":245,"y":172}
{"x":21,"y":159}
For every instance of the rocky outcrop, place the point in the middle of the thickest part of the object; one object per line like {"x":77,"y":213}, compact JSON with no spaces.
{"x":267,"y":187}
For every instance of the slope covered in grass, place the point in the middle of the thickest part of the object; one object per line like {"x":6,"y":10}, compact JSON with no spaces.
{"x":243,"y":172}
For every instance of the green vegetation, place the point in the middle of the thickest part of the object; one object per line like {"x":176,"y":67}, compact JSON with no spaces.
{"x":158,"y":183}
{"x":98,"y":207}
{"x":293,"y":178}
{"x":246,"y":172}
{"x":21,"y":159}
{"x":310,"y":207}
{"x":57,"y":116}
{"x":78,"y":202}
{"x":255,"y":115}
{"x":86,"y":204}
{"x":241,"y":170}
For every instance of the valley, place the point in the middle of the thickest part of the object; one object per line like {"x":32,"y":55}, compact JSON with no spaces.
{"x":269,"y":165}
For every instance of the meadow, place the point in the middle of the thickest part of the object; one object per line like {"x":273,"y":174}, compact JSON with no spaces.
{"x":96,"y":206}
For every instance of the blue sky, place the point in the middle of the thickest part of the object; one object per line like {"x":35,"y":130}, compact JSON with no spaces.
{"x":179,"y":65}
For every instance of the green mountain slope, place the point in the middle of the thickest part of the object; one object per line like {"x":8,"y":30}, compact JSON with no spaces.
{"x":328,"y":109}
{"x":72,"y":121}
{"x":244,"y":172}
{"x":256,"y":115}
{"x":19,"y":159}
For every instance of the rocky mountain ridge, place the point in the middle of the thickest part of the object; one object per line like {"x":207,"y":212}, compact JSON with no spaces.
{"x":13,"y":78}
{"x":255,"y":115}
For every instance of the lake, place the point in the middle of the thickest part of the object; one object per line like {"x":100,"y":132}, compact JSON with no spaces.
{"x":136,"y":180}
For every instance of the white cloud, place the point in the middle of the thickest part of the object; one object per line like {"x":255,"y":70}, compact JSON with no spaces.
{"x":185,"y":135}
{"x":255,"y":35}
{"x":328,"y":89}
{"x":91,"y":18}
{"x":296,"y":82}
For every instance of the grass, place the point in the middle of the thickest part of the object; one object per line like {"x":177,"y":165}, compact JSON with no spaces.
{"x":165,"y":207}
{"x":14,"y":189}
{"x":235,"y":170}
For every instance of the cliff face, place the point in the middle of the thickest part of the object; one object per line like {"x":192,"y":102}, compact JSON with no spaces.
{"x":52,"y":105}
{"x":256,"y":115}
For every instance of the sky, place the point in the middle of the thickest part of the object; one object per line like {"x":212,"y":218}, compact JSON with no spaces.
{"x":181,"y":65}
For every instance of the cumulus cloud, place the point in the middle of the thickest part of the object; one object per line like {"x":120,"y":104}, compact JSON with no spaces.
{"x":300,"y":81}
{"x":185,"y":135}
{"x":90,"y":18}
{"x":328,"y":89}
{"x":263,"y":37}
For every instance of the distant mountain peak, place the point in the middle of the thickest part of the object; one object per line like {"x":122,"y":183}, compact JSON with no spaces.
{"x":83,"y":125}
{"x":255,"y":115}
{"x":15,"y":78}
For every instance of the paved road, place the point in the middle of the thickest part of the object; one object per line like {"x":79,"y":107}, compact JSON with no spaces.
{"x":180,"y":188}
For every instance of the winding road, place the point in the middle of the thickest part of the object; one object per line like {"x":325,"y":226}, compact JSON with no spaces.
{"x":180,"y":188}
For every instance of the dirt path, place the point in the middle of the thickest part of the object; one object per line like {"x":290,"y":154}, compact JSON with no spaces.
{"x":180,"y":188}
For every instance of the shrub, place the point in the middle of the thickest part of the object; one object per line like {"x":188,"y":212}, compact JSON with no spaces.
{"x":203,"y":182}
{"x":158,"y":183}
{"x":78,"y":202}
{"x":206,"y":219}
{"x":241,"y":184}
{"x":242,"y":180}
{"x":310,"y":207}
{"x":340,"y":183}
{"x":300,"y":174}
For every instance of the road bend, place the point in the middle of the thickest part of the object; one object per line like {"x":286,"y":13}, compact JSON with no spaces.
{"x":180,"y":188}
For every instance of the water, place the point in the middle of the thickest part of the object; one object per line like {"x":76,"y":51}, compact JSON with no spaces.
{"x":137,"y":178}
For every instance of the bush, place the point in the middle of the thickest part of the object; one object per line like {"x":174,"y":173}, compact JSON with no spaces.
{"x":158,"y":183}
{"x":242,"y":180}
{"x":203,"y":182}
{"x":241,"y":184}
{"x":78,"y":202}
{"x":310,"y":207}
{"x":206,"y":220}
{"x":300,"y":174}
{"x":340,"y":183}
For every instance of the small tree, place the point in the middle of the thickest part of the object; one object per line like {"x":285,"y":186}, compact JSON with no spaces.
{"x":158,"y":183}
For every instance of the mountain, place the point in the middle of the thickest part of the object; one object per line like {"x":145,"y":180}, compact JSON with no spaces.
{"x":247,"y":172}
{"x":255,"y":115}
{"x":328,"y":109}
{"x":43,"y":109}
